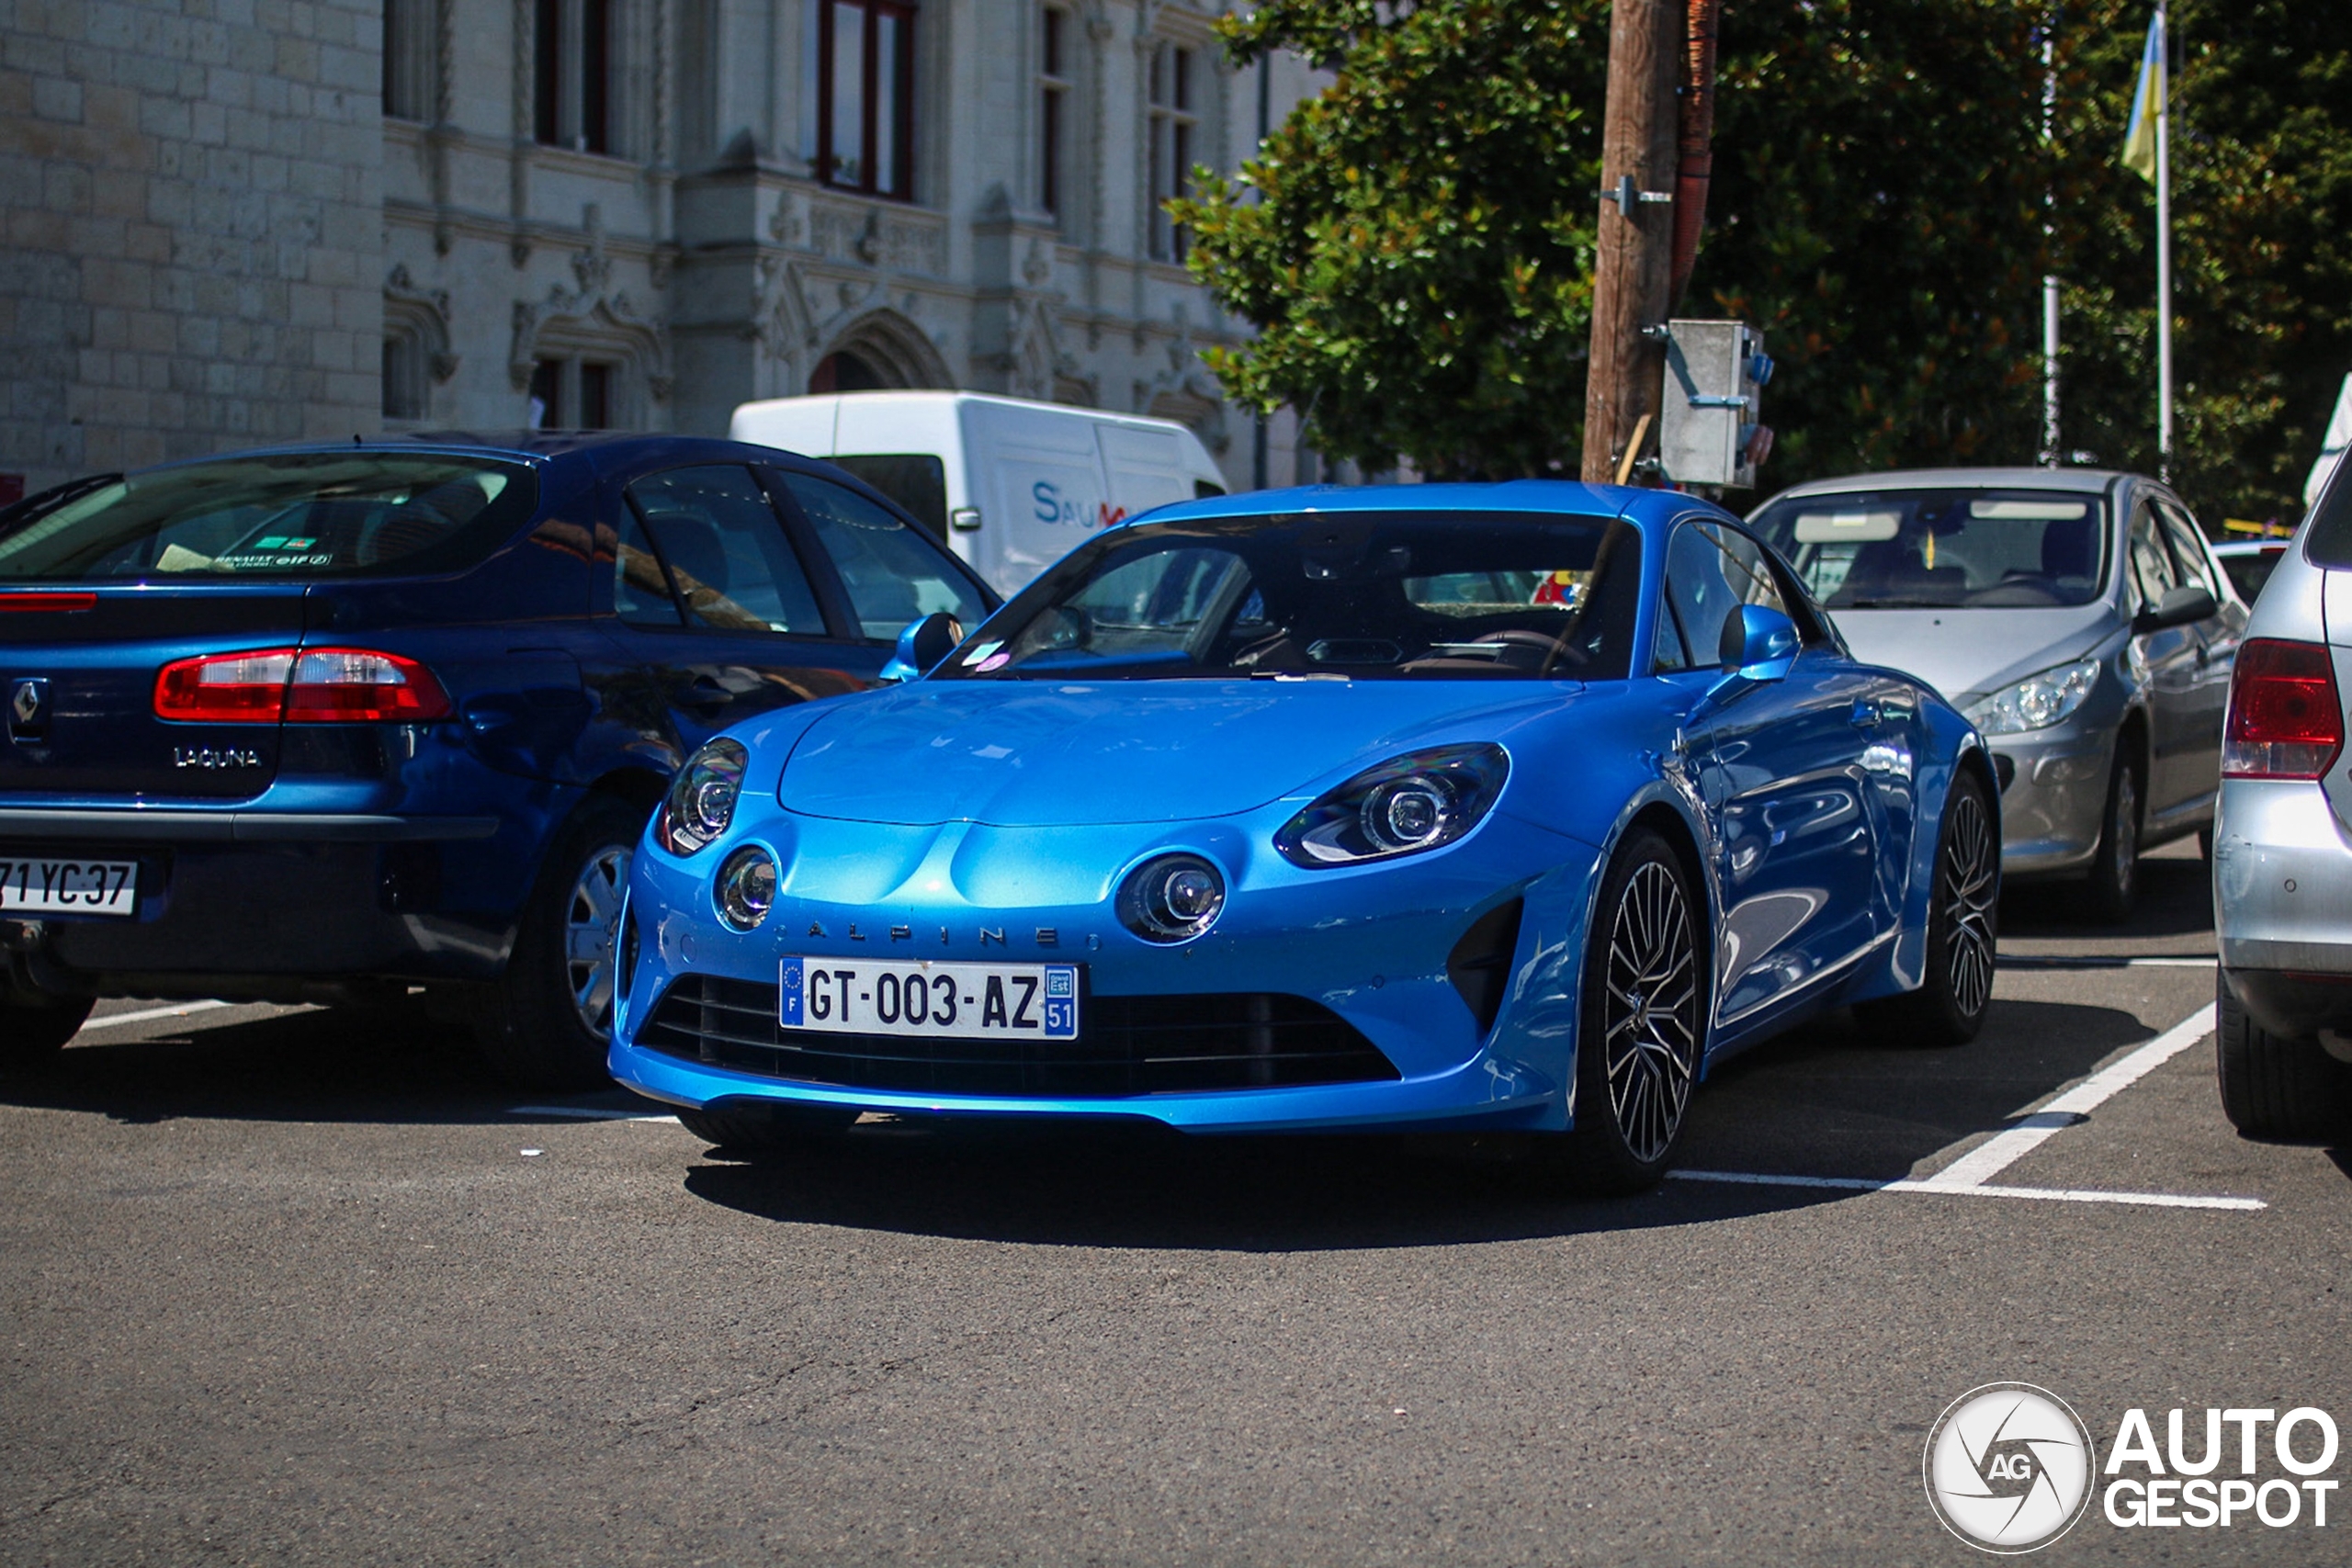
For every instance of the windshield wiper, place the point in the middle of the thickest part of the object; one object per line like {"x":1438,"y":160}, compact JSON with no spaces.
{"x":1899,"y":604}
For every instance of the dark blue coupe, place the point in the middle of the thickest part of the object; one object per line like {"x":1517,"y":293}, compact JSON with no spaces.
{"x":315,"y":723}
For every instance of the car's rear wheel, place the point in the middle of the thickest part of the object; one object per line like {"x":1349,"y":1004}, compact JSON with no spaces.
{"x":2276,"y":1086}
{"x":548,"y":1022}
{"x":2114,"y":887}
{"x":1642,"y":1021}
{"x":35,"y":1026}
{"x":762,"y":1132}
{"x":1963,"y":930}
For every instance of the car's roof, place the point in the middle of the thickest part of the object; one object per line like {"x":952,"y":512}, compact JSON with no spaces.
{"x":600,"y":446}
{"x":1567,"y":497}
{"x":2086,"y":480}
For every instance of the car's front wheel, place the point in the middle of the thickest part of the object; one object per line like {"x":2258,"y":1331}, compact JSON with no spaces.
{"x":1963,"y":921}
{"x":2276,"y":1086}
{"x":35,"y":1026}
{"x":1643,"y":1024}
{"x":549,"y":1023}
{"x":2114,"y":887}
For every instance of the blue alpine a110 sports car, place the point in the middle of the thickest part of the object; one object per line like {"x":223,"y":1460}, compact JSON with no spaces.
{"x":1495,"y":807}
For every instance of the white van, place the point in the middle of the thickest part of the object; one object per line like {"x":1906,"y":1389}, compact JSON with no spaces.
{"x":1011,"y":485}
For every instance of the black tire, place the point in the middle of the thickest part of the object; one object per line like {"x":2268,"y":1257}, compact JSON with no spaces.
{"x":547,"y":1024}
{"x":1637,"y":1065}
{"x":1963,"y":931}
{"x":762,"y":1132}
{"x":34,"y":1027}
{"x":2113,"y":890}
{"x":2276,"y":1086}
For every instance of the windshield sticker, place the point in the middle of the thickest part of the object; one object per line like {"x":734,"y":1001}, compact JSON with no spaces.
{"x":981,"y":653}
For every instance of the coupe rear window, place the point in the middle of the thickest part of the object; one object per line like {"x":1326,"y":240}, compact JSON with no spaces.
{"x":1367,"y":596}
{"x":308,"y":514}
{"x":1942,"y":550}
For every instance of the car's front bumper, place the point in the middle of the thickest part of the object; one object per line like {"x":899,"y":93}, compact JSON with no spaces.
{"x":2054,"y":797}
{"x":2282,"y":904}
{"x":1369,"y":945}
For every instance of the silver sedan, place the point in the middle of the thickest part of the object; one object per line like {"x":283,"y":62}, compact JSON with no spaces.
{"x":2077,"y":616}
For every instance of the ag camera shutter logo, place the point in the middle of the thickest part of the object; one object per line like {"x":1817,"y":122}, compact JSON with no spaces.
{"x":2008,"y":1468}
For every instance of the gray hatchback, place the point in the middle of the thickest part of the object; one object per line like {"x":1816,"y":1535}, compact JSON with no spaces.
{"x":2077,"y":616}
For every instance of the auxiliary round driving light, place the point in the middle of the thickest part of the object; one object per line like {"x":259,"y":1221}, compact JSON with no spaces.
{"x":1409,"y":813}
{"x":1172,"y":898}
{"x":746,"y":887}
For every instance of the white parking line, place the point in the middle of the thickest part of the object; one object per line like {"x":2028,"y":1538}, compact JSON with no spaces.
{"x":1971,"y":1175}
{"x":2060,"y":961}
{"x":113,"y":1021}
{"x":589,"y":1113}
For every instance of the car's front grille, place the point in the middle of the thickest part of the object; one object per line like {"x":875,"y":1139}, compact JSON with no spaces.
{"x":1129,"y":1045}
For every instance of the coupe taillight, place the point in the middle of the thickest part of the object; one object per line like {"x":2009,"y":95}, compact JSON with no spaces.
{"x":2285,"y":721}
{"x":299,"y":685}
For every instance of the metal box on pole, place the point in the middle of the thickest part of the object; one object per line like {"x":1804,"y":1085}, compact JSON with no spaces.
{"x":1712,"y":431}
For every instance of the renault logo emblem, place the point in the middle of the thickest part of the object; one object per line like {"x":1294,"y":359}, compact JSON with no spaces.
{"x":27,"y":705}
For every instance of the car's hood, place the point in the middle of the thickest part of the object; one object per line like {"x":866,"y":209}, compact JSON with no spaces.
{"x":1965,"y":654}
{"x":1022,"y":754}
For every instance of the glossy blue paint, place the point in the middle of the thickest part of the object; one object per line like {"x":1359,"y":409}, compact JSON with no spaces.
{"x":911,"y":822}
{"x":320,"y":854}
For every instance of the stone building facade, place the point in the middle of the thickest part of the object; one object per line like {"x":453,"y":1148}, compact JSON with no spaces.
{"x":236,"y":221}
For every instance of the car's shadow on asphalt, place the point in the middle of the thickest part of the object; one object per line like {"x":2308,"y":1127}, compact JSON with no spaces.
{"x":390,"y":1063}
{"x":1827,"y":1099}
{"x":2176,"y":900}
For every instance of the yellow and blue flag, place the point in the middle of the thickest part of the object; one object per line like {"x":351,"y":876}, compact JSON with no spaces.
{"x":2147,"y":103}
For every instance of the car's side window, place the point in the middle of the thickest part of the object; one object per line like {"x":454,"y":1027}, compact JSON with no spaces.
{"x":2151,"y":569}
{"x":727,"y":552}
{"x":1710,"y":571}
{"x":640,"y":592}
{"x":1666,"y":647}
{"x":2187,"y":549}
{"x":893,"y":575}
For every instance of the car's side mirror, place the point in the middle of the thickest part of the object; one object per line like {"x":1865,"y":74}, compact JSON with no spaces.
{"x":921,"y":646}
{"x":2189,"y":601}
{"x":1758,"y":642}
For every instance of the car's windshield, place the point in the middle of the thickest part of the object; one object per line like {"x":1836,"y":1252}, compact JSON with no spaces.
{"x":1942,"y":549}
{"x":303,"y":514}
{"x":1443,"y":595}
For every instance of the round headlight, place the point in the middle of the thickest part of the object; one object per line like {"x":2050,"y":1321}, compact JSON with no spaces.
{"x":746,"y":887}
{"x":1409,"y":813}
{"x":1173,"y":899}
{"x":701,"y":803}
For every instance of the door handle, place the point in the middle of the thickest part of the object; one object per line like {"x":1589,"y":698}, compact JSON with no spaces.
{"x":704,"y":692}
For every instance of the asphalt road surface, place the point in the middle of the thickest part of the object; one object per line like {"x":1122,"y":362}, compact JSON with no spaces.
{"x":285,"y":1285}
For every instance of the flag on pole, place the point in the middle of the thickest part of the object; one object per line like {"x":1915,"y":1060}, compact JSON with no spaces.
{"x":2147,"y":103}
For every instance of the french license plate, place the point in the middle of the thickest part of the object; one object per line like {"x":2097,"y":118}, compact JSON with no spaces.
{"x":69,"y":887}
{"x":957,"y":1001}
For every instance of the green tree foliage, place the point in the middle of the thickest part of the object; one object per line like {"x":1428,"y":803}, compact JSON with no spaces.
{"x":2262,"y":245}
{"x":1421,"y":265}
{"x":1414,"y":246}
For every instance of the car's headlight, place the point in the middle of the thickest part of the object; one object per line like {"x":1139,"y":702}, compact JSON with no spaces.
{"x":702,"y":798}
{"x":2038,"y":701}
{"x":1416,"y":801}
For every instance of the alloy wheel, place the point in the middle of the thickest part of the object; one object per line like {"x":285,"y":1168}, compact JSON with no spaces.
{"x":1650,"y":1040}
{"x":1971,"y":884}
{"x":592,"y":920}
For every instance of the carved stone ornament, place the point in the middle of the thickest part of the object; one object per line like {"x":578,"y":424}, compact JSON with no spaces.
{"x":594,"y":315}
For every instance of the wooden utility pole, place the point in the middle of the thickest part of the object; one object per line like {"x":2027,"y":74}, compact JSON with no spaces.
{"x":1636,"y":239}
